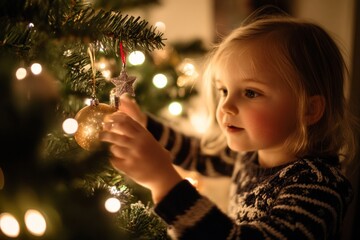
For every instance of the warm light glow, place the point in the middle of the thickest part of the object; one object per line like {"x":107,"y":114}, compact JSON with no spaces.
{"x":35,"y":222}
{"x":21,"y":73}
{"x":112,"y":205}
{"x":175,"y":108}
{"x":87,"y":101}
{"x":198,"y":120}
{"x":106,"y":74}
{"x":36,"y":68}
{"x":70,"y":126}
{"x":31,"y":25}
{"x":189,"y":69}
{"x":160,"y":26}
{"x":136,"y":58}
{"x":102,"y":65}
{"x":160,"y":80}
{"x":193,"y":181}
{"x":9,"y":225}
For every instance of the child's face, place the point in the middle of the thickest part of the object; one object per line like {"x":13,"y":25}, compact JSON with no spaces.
{"x":256,"y":110}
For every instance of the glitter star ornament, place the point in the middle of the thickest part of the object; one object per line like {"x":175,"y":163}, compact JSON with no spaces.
{"x":123,"y":84}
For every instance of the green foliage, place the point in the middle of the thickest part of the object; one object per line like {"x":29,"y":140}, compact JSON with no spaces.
{"x":141,"y":223}
{"x":43,"y":168}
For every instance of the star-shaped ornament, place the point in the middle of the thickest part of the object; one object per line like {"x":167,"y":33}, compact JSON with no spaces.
{"x":124,"y":84}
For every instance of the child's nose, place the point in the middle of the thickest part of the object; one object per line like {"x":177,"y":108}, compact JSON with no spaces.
{"x":229,"y":106}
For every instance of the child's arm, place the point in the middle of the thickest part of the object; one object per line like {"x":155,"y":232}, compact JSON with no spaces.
{"x":302,"y":202}
{"x":137,"y":153}
{"x":185,"y":149}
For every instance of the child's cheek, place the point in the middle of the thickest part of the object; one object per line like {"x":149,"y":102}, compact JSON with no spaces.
{"x":266,"y":125}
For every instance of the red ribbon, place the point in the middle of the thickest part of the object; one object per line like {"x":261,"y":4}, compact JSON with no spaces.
{"x":122,"y":53}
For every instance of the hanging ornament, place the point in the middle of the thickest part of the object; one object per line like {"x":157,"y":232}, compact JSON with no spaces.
{"x":123,"y":83}
{"x":90,"y":118}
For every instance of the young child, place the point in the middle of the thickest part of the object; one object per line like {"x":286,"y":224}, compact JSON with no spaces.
{"x":277,"y":94}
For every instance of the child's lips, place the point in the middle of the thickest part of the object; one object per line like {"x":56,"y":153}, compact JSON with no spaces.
{"x":232,"y":128}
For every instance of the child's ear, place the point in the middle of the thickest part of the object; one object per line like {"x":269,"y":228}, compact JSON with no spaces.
{"x":315,"y":109}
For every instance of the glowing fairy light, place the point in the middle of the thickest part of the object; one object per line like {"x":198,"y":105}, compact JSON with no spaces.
{"x":31,"y":25}
{"x":9,"y":225}
{"x":70,"y":126}
{"x":175,"y":108}
{"x":189,"y":69}
{"x":160,"y":80}
{"x":106,"y":74}
{"x":36,"y":68}
{"x":102,"y":65}
{"x":87,"y":101}
{"x":35,"y":222}
{"x":160,"y":26}
{"x":136,"y":58}
{"x":21,"y":73}
{"x":112,"y":205}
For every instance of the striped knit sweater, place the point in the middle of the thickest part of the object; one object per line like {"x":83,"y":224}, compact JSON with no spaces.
{"x":305,"y":199}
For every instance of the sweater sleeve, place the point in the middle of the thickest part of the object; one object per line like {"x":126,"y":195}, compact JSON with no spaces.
{"x":299,"y":205}
{"x":190,"y":215}
{"x":187,"y":152}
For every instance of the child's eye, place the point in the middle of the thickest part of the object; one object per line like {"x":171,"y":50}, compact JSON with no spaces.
{"x":251,"y":94}
{"x":223,"y":92}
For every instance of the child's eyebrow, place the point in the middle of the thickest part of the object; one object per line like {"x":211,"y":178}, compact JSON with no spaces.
{"x":255,"y":80}
{"x":245,"y":80}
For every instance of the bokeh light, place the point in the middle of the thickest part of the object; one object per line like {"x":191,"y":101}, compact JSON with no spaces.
{"x":160,"y":80}
{"x":35,"y":222}
{"x":175,"y":108}
{"x":9,"y":225}
{"x":136,"y":58}
{"x":112,"y":205}
{"x":21,"y":73}
{"x":70,"y":126}
{"x":36,"y":68}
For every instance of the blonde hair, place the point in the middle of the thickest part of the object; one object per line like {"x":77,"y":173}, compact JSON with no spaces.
{"x":310,"y":63}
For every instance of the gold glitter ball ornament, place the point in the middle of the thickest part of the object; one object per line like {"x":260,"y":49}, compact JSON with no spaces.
{"x":90,"y":119}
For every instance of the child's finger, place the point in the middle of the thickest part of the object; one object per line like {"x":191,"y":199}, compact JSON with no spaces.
{"x":116,"y":139}
{"x":121,"y":123}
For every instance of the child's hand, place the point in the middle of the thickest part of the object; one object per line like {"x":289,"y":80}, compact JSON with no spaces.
{"x":131,"y":108}
{"x":137,"y":153}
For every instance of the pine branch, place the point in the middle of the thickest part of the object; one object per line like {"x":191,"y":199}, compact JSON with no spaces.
{"x":142,"y":223}
{"x":74,"y":19}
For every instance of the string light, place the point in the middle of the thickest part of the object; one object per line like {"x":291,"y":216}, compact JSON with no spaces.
{"x":21,"y":73}
{"x":87,"y":101}
{"x":160,"y":26}
{"x":35,"y":222}
{"x":106,"y":74}
{"x":160,"y":80}
{"x":70,"y":126}
{"x":175,"y":108}
{"x":112,"y":205}
{"x":9,"y":225}
{"x":36,"y":68}
{"x":136,"y":58}
{"x":189,"y":69}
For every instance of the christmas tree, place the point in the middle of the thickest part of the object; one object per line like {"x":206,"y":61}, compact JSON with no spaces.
{"x":55,"y":180}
